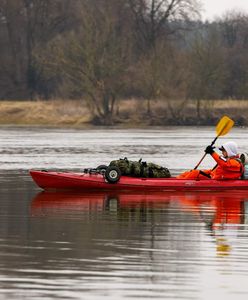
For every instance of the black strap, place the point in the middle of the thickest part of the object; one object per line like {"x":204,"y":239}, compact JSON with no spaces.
{"x":150,"y":172}
{"x":214,"y":167}
{"x":205,"y":174}
{"x":143,"y":167}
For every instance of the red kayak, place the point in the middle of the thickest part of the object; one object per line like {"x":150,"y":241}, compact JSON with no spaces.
{"x":86,"y":181}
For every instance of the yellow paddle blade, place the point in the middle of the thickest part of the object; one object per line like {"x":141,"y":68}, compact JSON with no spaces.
{"x":224,"y":126}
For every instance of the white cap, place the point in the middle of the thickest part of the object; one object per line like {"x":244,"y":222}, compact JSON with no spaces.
{"x":231,"y":148}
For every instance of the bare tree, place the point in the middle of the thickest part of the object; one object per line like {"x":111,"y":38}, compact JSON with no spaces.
{"x":157,"y":18}
{"x":11,"y":29}
{"x":44,"y":19}
{"x":29,"y":25}
{"x":207,"y":66}
{"x":95,"y":60}
{"x":234,"y":39}
{"x":162,"y":75}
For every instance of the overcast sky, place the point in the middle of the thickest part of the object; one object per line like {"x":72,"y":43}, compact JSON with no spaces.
{"x":213,"y":8}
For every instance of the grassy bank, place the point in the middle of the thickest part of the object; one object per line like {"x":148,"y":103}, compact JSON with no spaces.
{"x":57,"y":113}
{"x":129,"y":113}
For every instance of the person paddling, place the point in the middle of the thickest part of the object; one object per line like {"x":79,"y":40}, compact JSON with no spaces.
{"x":229,"y":166}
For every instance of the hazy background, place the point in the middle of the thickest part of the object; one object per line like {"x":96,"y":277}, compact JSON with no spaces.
{"x":159,"y":62}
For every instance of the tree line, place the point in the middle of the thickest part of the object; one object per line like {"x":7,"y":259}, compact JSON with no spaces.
{"x":105,"y":50}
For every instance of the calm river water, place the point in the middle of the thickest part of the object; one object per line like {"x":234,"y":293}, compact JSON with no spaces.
{"x":118,"y":245}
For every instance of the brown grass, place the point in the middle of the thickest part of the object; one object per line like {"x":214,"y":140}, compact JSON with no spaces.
{"x":54,"y":112}
{"x":131,"y":112}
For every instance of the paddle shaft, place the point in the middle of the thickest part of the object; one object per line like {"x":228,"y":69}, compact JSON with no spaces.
{"x":213,"y":142}
{"x":222,"y":128}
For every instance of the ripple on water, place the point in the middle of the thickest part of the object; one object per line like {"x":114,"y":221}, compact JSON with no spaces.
{"x":166,"y":246}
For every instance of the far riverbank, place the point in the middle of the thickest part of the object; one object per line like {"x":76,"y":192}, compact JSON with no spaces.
{"x":129,"y":113}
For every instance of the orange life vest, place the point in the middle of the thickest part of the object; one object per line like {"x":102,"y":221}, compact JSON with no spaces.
{"x":227,"y":168}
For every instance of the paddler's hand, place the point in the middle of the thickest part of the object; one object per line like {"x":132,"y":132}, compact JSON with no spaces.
{"x":209,"y":149}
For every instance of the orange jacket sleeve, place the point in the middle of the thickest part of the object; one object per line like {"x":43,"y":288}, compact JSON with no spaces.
{"x":225,"y":163}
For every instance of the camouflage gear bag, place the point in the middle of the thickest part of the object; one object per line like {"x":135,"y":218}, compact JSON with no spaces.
{"x":140,"y":168}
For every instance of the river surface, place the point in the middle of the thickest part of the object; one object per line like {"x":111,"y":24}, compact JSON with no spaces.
{"x":170,"y":245}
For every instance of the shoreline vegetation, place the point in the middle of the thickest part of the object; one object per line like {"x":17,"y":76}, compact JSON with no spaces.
{"x":131,"y":113}
{"x":134,"y":63}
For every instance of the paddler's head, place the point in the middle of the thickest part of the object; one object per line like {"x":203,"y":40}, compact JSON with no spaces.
{"x":229,"y":149}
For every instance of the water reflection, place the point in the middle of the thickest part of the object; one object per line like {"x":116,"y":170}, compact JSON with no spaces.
{"x":123,"y":245}
{"x":222,"y":213}
{"x":118,"y":245}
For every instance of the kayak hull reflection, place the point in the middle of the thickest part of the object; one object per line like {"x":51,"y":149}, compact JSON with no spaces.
{"x":212,"y":208}
{"x":81,"y":181}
